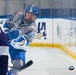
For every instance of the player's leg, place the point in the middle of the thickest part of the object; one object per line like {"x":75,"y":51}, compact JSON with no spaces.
{"x":17,"y":58}
{"x":3,"y":59}
{"x":3,"y":54}
{"x":3,"y":64}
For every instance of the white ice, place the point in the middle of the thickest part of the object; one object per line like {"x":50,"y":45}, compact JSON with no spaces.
{"x":48,"y":61}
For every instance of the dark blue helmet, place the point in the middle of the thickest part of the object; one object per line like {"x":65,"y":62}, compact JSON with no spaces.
{"x":32,"y":8}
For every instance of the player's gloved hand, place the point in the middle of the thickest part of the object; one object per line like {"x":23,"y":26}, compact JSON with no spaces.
{"x":20,"y":43}
{"x":7,"y":27}
{"x":14,"y":34}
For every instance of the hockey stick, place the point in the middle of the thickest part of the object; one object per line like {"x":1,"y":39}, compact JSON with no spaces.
{"x":39,"y":35}
{"x":14,"y":19}
{"x":29,"y":63}
{"x":11,"y":17}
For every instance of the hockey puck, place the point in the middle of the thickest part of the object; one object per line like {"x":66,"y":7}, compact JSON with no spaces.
{"x":71,"y":68}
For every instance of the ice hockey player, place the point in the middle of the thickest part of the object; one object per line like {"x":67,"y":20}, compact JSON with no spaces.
{"x":20,"y":30}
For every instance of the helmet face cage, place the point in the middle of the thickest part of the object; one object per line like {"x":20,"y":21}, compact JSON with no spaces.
{"x":29,"y":17}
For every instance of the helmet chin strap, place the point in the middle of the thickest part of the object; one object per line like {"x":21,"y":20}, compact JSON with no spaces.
{"x":28,"y":21}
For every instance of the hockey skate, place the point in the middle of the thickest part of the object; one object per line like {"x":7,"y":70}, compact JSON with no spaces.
{"x":10,"y":73}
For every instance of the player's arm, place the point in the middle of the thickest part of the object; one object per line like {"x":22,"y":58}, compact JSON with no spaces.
{"x":10,"y":26}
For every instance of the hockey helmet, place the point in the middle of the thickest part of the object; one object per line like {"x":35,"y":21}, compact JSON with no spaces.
{"x":33,"y":9}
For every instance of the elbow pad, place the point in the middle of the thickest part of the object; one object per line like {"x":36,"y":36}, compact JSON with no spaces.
{"x":5,"y":28}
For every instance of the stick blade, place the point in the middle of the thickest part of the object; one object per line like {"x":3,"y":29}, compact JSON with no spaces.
{"x":28,"y":64}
